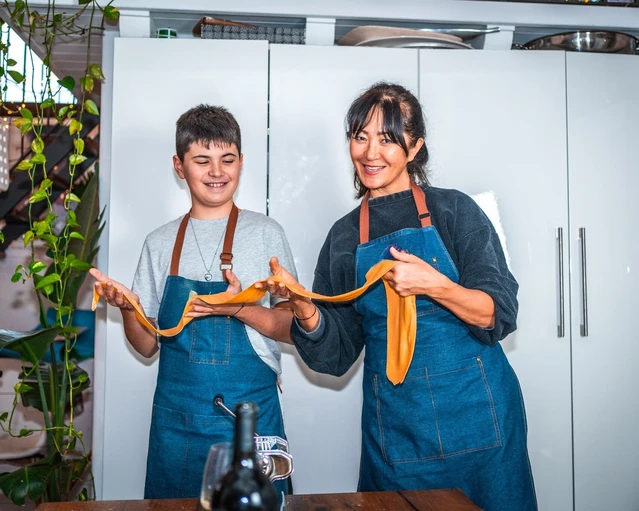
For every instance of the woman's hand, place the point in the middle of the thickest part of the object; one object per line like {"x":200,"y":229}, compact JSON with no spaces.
{"x":303,"y":309}
{"x":413,"y":276}
{"x":200,"y":309}
{"x":113,"y":292}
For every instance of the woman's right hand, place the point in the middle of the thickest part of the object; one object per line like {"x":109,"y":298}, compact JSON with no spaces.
{"x":301,"y":306}
{"x":112,"y":291}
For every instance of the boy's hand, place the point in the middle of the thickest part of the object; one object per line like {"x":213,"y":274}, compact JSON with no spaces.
{"x":200,"y":309}
{"x":112,"y":291}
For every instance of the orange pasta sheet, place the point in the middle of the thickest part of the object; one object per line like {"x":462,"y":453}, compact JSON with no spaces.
{"x":401,"y":322}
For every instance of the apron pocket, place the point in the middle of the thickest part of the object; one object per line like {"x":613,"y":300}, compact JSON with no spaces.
{"x":211,"y":340}
{"x":446,"y":412}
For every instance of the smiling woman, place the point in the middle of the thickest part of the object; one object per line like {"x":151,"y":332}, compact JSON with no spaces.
{"x":459,"y":406}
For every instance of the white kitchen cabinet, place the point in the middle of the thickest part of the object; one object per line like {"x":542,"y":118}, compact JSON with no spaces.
{"x":497,"y":122}
{"x":603,"y":110}
{"x":310,"y":187}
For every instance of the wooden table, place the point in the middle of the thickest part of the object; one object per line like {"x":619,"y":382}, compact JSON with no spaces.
{"x":430,"y":500}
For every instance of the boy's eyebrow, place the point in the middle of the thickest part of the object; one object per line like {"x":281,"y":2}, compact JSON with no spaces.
{"x":228,"y":154}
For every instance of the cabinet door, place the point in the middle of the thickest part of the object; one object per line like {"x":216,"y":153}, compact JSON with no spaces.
{"x":603,"y":109}
{"x":149,"y":94}
{"x":310,"y":187}
{"x":497,"y":123}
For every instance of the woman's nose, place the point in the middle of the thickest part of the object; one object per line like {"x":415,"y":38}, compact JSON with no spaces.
{"x":372,"y":151}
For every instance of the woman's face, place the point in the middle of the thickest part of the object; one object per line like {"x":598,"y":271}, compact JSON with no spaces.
{"x":381,"y":164}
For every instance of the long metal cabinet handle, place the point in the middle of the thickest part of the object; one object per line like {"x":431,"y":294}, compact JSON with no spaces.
{"x":560,"y":251}
{"x":584,"y":283}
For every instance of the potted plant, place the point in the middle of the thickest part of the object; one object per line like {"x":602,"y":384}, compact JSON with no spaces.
{"x":51,"y":380}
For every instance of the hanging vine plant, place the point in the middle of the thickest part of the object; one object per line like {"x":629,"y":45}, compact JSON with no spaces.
{"x":51,"y":386}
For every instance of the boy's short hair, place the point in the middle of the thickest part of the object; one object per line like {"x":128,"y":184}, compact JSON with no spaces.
{"x":206,"y":124}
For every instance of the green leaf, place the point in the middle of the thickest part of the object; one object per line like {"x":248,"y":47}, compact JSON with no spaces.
{"x":111,"y":13}
{"x":72,"y":197}
{"x":96,"y":72}
{"x":39,"y":159}
{"x":68,"y":82}
{"x":86,"y":83}
{"x":4,"y":416}
{"x":81,"y":2}
{"x":45,"y":185}
{"x":38,"y":196}
{"x":76,"y":159}
{"x":91,"y":223}
{"x":47,"y":103}
{"x":23,"y":122}
{"x":79,"y":378}
{"x":26,"y":114}
{"x":77,"y":236}
{"x":31,"y":346}
{"x":17,"y":77}
{"x":30,"y":481}
{"x":28,"y":236}
{"x":78,"y":143}
{"x":36,"y":266}
{"x":91,"y":107}
{"x":25,"y":165}
{"x":1,"y":237}
{"x":25,"y":432}
{"x":49,"y":279}
{"x":16,"y":277}
{"x":37,"y":146}
{"x":11,"y":62}
{"x":79,"y":265}
{"x":75,"y":127}
{"x":22,"y":387}
{"x":51,"y":238}
{"x":63,"y":111}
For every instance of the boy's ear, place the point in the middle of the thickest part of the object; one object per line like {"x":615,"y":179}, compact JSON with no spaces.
{"x":177,"y":165}
{"x":241,"y":159}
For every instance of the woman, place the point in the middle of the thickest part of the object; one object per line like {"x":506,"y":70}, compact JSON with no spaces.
{"x":457,"y":420}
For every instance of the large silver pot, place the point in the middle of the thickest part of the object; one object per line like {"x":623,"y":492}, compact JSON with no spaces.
{"x":597,"y":41}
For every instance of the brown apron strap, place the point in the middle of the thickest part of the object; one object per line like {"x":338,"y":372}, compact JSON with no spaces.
{"x":226,"y":256}
{"x":227,"y":250}
{"x":422,"y":210}
{"x":177,"y":247}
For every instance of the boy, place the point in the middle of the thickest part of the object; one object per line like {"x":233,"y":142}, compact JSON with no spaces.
{"x":228,"y":350}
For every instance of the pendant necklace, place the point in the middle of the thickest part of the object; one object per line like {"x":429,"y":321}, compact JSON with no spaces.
{"x":207,"y":275}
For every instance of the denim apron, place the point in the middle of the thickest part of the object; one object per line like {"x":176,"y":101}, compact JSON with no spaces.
{"x":458,"y":419}
{"x":211,"y":356}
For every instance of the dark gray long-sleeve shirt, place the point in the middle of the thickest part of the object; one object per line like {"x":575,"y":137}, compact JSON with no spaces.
{"x":469,"y":237}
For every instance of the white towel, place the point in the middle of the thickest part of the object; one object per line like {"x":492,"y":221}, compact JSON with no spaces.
{"x":487,"y":201}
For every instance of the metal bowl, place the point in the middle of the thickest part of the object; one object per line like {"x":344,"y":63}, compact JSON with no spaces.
{"x":597,"y":41}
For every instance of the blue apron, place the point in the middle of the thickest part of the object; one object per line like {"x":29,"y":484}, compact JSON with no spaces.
{"x":212,"y":355}
{"x":458,"y":419}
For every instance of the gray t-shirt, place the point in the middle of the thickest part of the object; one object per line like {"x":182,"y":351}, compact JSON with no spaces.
{"x":257,"y":239}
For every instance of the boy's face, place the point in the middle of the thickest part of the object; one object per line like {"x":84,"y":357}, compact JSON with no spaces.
{"x":212,"y":175}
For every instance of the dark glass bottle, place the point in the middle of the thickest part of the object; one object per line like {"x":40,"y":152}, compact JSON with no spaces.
{"x":245,"y":487}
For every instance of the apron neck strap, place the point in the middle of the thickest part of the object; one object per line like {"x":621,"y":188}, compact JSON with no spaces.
{"x":226,"y":256}
{"x":422,"y":210}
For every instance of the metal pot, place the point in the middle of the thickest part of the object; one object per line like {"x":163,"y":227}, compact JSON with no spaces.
{"x":597,"y":41}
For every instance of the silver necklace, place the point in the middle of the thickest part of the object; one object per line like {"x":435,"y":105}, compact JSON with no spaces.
{"x":207,"y":275}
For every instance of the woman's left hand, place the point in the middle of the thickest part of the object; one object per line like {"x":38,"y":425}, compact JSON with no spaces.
{"x":413,"y":276}
{"x":200,"y":309}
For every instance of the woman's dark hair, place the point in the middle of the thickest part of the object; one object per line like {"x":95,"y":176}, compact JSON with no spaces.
{"x":206,"y":124}
{"x":401,"y":114}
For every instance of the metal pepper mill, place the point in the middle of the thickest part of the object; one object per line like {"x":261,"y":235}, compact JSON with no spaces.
{"x":272,"y":451}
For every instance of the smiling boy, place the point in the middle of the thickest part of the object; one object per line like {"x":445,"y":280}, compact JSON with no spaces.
{"x":228,"y":350}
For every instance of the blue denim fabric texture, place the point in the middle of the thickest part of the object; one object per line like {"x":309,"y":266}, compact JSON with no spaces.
{"x":458,"y":419}
{"x":211,"y":356}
